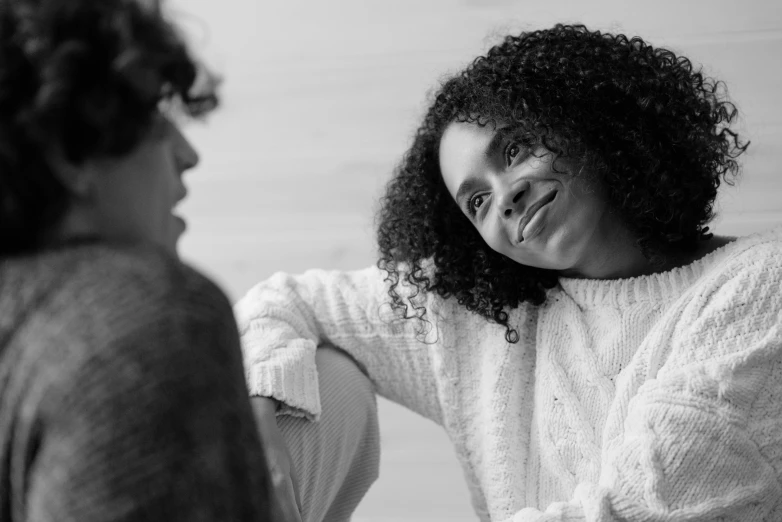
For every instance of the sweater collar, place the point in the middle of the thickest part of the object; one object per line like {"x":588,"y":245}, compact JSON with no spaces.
{"x":654,"y":288}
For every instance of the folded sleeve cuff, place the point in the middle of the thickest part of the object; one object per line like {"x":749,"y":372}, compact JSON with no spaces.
{"x":290,"y":376}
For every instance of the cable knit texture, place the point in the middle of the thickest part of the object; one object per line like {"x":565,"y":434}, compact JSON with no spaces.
{"x":656,"y":398}
{"x":122,"y":395}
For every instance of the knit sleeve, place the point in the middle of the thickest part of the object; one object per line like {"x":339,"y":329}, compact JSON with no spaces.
{"x":282,"y":321}
{"x":151,"y":419}
{"x":702,"y":438}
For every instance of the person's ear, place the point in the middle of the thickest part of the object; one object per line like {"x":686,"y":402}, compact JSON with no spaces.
{"x":78,"y":180}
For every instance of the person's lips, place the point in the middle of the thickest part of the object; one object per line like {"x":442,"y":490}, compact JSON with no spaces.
{"x":532,"y":210}
{"x":181,"y":224}
{"x":180,"y":221}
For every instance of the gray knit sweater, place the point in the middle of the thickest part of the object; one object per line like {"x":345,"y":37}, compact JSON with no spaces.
{"x":122,"y":395}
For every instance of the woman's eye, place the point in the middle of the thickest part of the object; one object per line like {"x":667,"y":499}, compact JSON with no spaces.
{"x":511,"y":152}
{"x":475,"y":203}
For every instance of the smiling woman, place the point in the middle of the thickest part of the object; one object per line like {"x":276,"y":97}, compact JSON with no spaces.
{"x":640,"y":137}
{"x":549,"y":293}
{"x":528,"y":211}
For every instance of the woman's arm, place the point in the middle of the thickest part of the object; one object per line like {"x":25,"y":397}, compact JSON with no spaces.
{"x":282,"y":321}
{"x":687,"y":454}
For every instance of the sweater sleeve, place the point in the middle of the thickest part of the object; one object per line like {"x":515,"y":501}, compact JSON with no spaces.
{"x":154,"y":423}
{"x":282,"y":321}
{"x":702,"y":438}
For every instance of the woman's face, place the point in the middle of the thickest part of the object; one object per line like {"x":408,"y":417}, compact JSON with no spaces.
{"x":133,"y":197}
{"x":521,"y":207}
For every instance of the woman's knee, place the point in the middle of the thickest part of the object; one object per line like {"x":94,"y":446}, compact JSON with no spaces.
{"x":344,"y":386}
{"x":336,"y":459}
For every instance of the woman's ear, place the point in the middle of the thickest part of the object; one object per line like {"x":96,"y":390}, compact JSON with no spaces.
{"x":78,"y":180}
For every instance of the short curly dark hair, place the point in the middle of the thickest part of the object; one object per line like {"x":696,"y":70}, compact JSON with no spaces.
{"x":87,"y":77}
{"x":650,"y":127}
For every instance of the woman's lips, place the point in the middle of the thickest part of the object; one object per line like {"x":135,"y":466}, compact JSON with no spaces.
{"x":532,"y":211}
{"x":181,"y":223}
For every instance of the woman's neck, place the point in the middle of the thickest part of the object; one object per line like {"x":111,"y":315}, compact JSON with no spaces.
{"x":76,"y":224}
{"x":625,"y":260}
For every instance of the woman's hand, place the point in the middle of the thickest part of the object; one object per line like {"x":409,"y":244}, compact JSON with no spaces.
{"x":285,"y":497}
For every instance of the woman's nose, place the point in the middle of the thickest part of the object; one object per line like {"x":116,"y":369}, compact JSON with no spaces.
{"x":510,"y":200}
{"x":186,"y":154}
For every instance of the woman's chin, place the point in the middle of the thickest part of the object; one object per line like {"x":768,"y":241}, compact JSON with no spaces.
{"x":177,"y":230}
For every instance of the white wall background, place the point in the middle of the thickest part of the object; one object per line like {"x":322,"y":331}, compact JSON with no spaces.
{"x":320,"y":101}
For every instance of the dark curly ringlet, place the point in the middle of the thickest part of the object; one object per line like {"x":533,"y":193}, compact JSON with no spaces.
{"x":87,"y":77}
{"x":641,"y":121}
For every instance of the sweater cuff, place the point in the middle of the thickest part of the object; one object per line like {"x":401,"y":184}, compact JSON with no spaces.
{"x":294,"y":385}
{"x":558,"y":512}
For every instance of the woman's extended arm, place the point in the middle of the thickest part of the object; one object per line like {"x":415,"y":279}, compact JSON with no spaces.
{"x":283,"y":319}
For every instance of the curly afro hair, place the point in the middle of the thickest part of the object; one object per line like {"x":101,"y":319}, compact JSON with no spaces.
{"x":650,"y":127}
{"x":86,"y":77}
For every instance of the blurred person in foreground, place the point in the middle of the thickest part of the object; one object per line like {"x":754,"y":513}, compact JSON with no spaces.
{"x":548,"y":292}
{"x":121,"y":387}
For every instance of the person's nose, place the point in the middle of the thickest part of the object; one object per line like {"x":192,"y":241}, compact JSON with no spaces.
{"x":510,"y":201}
{"x":187,"y":156}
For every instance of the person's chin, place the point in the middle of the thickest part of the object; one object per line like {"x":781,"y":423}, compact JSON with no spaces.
{"x":172,"y":245}
{"x":535,"y":261}
{"x":176,"y":231}
{"x":543,"y":253}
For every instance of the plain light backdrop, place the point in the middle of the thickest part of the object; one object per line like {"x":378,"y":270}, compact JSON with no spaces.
{"x":320,"y":101}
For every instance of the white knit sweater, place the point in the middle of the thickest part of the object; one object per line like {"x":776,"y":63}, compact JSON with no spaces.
{"x":656,"y":398}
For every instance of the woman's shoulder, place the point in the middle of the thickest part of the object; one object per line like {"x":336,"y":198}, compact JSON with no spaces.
{"x":101,"y":293}
{"x":755,"y":257}
{"x":766,"y":244}
{"x":744,"y":271}
{"x":139,"y":274}
{"x":735,"y":308}
{"x":114,"y":330}
{"x":98,"y":316}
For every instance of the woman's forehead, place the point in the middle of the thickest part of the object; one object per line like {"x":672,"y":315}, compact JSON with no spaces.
{"x":465,"y":150}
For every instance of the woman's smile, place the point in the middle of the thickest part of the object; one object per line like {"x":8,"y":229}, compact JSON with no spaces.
{"x":534,"y":218}
{"x":181,"y":224}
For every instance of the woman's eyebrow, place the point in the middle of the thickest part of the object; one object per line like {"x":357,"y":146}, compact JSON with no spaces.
{"x":494,"y":144}
{"x":466,"y":187}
